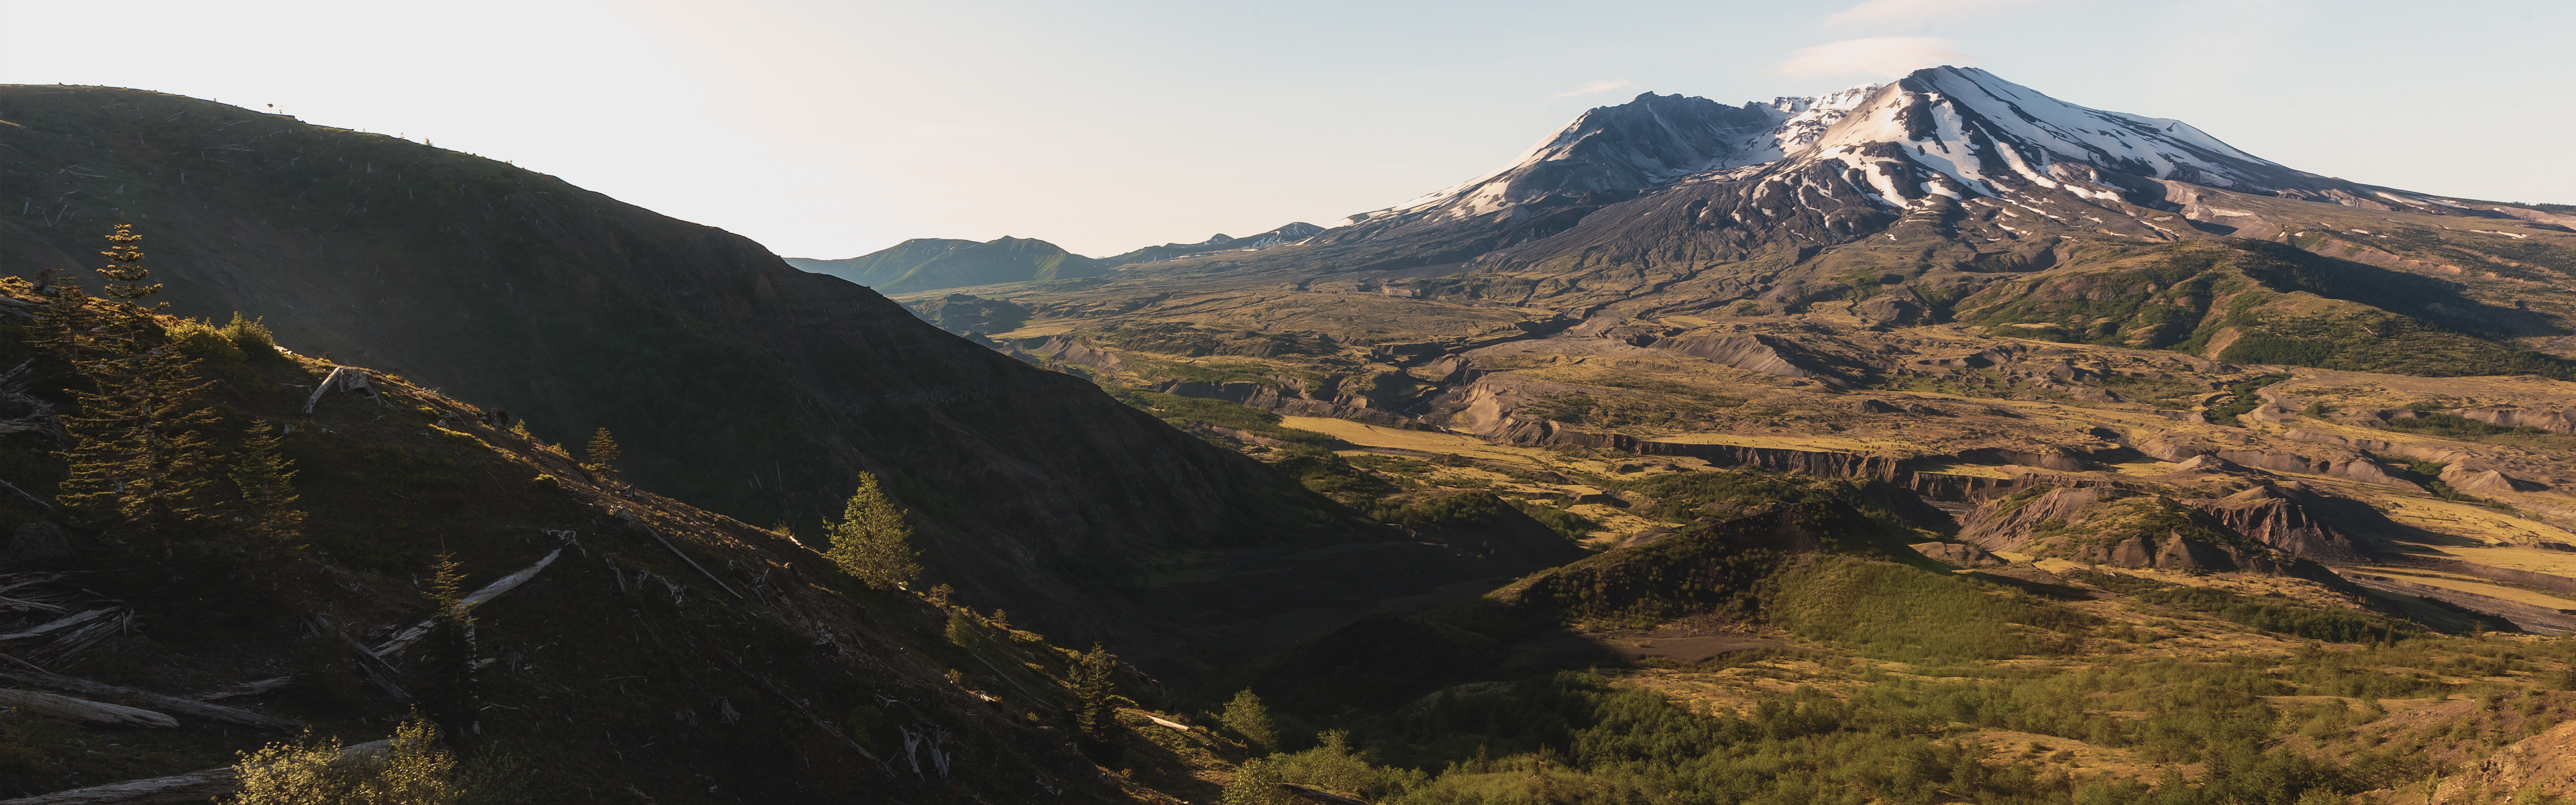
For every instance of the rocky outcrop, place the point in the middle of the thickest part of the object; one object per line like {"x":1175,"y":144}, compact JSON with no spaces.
{"x":2508,"y":417}
{"x":1754,"y":352}
{"x":2117,"y":527}
{"x":1295,"y":397}
{"x":2466,"y":478}
{"x":1064,"y":349}
{"x":2281,"y":517}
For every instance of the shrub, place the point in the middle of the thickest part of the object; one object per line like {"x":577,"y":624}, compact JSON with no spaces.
{"x":1245,"y":716}
{"x":414,"y":771}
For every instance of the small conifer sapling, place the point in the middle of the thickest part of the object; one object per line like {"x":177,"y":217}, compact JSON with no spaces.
{"x":125,"y":272}
{"x":872,"y":541}
{"x":447,"y":656}
{"x":603,"y":453}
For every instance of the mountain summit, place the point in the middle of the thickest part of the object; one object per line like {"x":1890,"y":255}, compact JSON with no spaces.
{"x":1953,"y":132}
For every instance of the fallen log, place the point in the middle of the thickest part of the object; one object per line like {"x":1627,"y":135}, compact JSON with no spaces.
{"x":318,"y":388}
{"x":675,"y":551}
{"x":247,"y":688}
{"x":60,"y":624}
{"x":192,"y":787}
{"x":344,"y":378}
{"x":406,"y":637}
{"x":84,"y":710}
{"x":39,"y":677}
{"x":377,"y":669}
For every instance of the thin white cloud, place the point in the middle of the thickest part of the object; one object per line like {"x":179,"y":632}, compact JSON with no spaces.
{"x":1603,"y":85}
{"x":1917,"y":12}
{"x":1874,"y":57}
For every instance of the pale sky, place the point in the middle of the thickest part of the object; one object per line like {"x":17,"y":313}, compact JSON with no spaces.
{"x":831,"y":129}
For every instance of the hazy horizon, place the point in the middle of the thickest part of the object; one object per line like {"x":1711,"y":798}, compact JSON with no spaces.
{"x":829,"y":131}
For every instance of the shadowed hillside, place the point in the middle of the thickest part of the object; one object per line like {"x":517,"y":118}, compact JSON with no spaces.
{"x":735,"y":380}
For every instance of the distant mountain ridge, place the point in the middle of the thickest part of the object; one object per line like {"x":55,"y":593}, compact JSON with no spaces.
{"x":929,"y":264}
{"x":1289,"y":234}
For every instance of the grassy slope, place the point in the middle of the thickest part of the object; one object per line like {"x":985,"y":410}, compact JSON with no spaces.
{"x":619,"y":665}
{"x":734,"y":380}
{"x":2288,"y":307}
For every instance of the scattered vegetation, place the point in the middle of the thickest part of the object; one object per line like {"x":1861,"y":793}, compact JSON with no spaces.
{"x":2283,"y":616}
{"x":2243,"y":400}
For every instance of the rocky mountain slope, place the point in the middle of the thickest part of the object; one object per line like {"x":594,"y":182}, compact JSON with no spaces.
{"x":1288,"y":235}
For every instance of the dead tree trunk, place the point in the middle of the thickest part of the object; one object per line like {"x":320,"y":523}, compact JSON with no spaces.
{"x":84,"y":710}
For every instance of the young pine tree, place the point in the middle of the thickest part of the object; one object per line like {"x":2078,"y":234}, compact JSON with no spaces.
{"x":139,"y":456}
{"x":125,"y":272}
{"x":447,"y":652}
{"x":267,"y":483}
{"x":872,"y":541}
{"x":603,"y":454}
{"x":1095,"y":687}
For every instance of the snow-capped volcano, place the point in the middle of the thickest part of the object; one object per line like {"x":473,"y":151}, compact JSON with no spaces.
{"x":1957,"y":132}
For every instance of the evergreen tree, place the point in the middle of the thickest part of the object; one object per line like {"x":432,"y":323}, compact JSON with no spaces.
{"x":1246,"y":717}
{"x":139,"y":458}
{"x":872,"y":541}
{"x":447,"y":652}
{"x":1095,"y":687}
{"x":125,"y":272}
{"x":603,"y":454}
{"x":267,"y":483}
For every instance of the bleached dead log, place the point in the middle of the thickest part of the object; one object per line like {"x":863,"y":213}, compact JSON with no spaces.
{"x":675,"y":551}
{"x":328,"y":381}
{"x":25,"y":604}
{"x":248,"y":688}
{"x":192,"y":787}
{"x":78,"y":640}
{"x":38,"y":677}
{"x":344,"y":378}
{"x":60,"y":624}
{"x":403,"y":639}
{"x":84,"y":709}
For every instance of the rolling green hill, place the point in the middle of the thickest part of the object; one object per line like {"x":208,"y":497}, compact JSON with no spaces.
{"x":929,"y":264}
